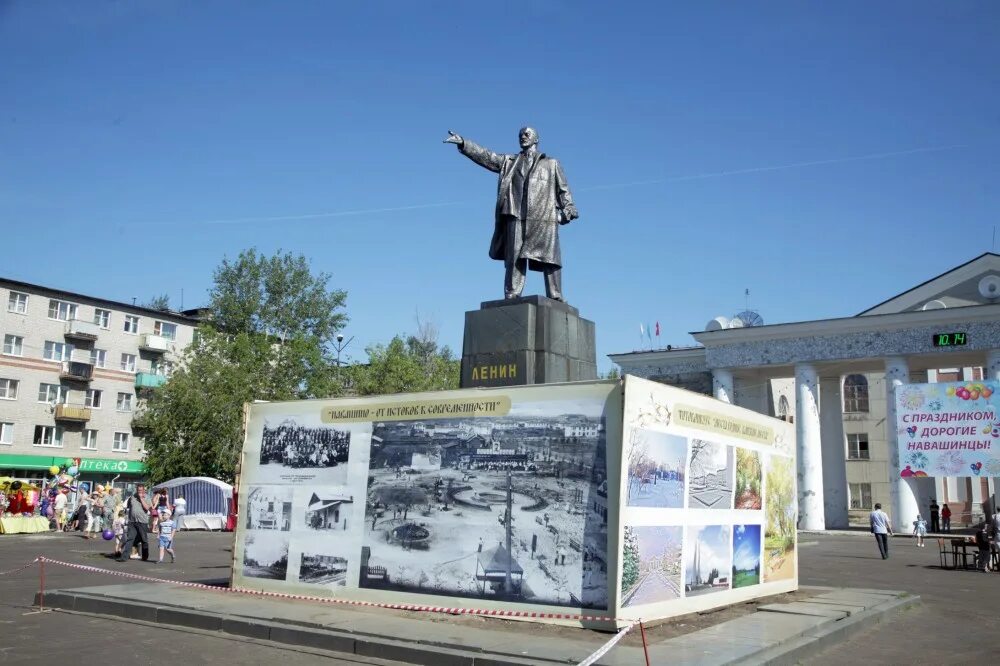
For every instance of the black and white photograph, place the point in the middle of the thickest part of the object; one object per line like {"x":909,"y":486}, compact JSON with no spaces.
{"x":710,"y":475}
{"x":269,"y":508}
{"x":511,"y":507}
{"x":265,"y":555}
{"x":329,"y":510}
{"x":321,"y":569}
{"x":291,"y":452}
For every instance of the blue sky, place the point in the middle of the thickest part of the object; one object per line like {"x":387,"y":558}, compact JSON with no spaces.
{"x":746,"y":546}
{"x":143,"y":141}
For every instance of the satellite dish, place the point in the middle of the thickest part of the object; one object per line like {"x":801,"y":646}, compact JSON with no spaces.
{"x":934,"y":305}
{"x":736,"y":322}
{"x":989,"y":287}
{"x":717,"y":324}
{"x":750,"y":318}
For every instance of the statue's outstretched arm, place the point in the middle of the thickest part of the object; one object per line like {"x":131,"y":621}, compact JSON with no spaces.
{"x":484,"y":157}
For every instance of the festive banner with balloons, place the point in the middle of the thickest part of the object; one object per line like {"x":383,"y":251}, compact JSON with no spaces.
{"x":949,"y":429}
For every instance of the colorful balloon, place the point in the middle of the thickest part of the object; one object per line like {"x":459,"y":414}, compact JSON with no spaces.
{"x":108,"y":535}
{"x":72,"y":471}
{"x":54,"y":470}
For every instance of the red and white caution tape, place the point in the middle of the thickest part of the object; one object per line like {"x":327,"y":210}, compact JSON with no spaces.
{"x":604,"y":649}
{"x":348,"y":602}
{"x":14,"y":571}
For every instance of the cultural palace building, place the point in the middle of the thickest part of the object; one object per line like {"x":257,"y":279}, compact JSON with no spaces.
{"x":836,"y":378}
{"x":73,"y":371}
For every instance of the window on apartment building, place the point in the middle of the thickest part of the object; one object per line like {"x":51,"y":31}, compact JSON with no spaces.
{"x":62,"y":310}
{"x":121,"y":442}
{"x":855,"y":394}
{"x":48,"y":436}
{"x":56,"y":351}
{"x":89,"y":440}
{"x":857,"y":446}
{"x":99,"y":357}
{"x":128,"y":362}
{"x":8,"y":389}
{"x":6,"y":433}
{"x":977,"y":374}
{"x":124,"y":403}
{"x":102,"y":317}
{"x":165,"y":329}
{"x":17,"y":302}
{"x":861,"y":495}
{"x":13,"y":345}
{"x":93,"y":399}
{"x":53,"y":394}
{"x":131,"y":324}
{"x":161,"y":368}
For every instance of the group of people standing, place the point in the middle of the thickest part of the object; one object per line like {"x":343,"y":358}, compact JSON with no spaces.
{"x":140,"y":516}
{"x":95,"y":511}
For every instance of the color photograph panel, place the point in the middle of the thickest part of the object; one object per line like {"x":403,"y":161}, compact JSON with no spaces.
{"x":779,"y":532}
{"x":651,"y":566}
{"x":746,"y":555}
{"x":706,"y":567}
{"x":656,"y":469}
{"x":748,"y":479}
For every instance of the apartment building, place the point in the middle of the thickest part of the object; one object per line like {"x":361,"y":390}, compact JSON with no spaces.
{"x":73,"y":371}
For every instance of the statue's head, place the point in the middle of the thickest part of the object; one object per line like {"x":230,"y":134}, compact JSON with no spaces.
{"x":527,"y":137}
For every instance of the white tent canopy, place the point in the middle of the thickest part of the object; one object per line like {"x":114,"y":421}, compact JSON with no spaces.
{"x":208,"y":500}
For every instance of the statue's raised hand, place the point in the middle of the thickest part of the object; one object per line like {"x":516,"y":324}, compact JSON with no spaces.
{"x":454,"y":138}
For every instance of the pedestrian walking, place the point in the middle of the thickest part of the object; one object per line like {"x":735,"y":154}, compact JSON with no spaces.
{"x":137,"y":516}
{"x":166,"y":539}
{"x":920,"y":530}
{"x":180,"y":508}
{"x":983,"y":544}
{"x":994,"y":533}
{"x":60,"y":511}
{"x":881,"y":529}
{"x":946,"y":518}
{"x":935,"y":518}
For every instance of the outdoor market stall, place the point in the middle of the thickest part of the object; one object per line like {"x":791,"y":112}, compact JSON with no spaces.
{"x":17,"y":506}
{"x":209,"y":501}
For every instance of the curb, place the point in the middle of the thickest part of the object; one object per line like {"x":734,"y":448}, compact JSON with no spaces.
{"x":830,"y":634}
{"x":425,"y":653}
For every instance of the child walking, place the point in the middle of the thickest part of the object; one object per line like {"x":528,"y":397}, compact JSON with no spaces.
{"x":167,"y":531}
{"x":119,"y":527}
{"x":920,"y":530}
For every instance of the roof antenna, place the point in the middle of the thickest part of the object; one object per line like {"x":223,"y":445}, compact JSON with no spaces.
{"x":994,"y":238}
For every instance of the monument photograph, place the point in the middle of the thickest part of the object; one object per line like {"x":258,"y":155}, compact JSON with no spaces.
{"x":748,"y":479}
{"x":265,"y":555}
{"x":710,"y":475}
{"x":656,"y":462}
{"x":651,"y":564}
{"x":510,"y":507}
{"x":779,"y":532}
{"x":706,"y":566}
{"x":746,"y":555}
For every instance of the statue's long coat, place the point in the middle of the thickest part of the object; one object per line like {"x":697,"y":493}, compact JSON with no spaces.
{"x":546,"y":195}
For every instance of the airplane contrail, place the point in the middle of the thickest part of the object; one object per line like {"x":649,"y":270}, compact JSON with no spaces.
{"x":779,"y":167}
{"x":592,"y":188}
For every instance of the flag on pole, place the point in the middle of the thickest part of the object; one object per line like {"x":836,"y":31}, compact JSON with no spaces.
{"x":649,"y":334}
{"x":657,"y":329}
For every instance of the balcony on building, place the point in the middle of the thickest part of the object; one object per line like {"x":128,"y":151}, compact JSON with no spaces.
{"x":153,"y":343}
{"x":80,"y":367}
{"x":75,"y":413}
{"x":82,"y":330}
{"x":149,"y":380}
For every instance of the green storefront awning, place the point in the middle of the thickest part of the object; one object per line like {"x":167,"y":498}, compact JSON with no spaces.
{"x":16,"y":461}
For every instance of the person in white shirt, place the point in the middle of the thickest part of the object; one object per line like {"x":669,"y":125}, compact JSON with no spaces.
{"x":180,"y":508}
{"x":881,"y":529}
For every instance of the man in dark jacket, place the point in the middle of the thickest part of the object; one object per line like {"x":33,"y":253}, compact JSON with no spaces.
{"x":137,"y":524}
{"x":533,"y":199}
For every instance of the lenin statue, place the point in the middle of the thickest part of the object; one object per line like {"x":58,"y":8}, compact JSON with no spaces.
{"x":533,"y":199}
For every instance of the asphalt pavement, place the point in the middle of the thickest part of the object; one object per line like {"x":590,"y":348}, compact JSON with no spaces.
{"x":958,"y":621}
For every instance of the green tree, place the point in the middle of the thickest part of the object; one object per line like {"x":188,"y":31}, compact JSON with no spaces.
{"x":406,"y":366}
{"x":630,"y":560}
{"x":267,"y":338}
{"x":161,"y":302}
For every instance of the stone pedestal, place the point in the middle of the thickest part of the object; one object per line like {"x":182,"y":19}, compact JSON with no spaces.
{"x":527,"y":340}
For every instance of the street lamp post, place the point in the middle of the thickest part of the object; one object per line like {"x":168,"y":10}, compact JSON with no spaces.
{"x":341,"y":345}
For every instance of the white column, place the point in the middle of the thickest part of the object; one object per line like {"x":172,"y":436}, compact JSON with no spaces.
{"x":723,"y":385}
{"x":809,"y":448}
{"x":831,"y":418}
{"x":902,"y":492}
